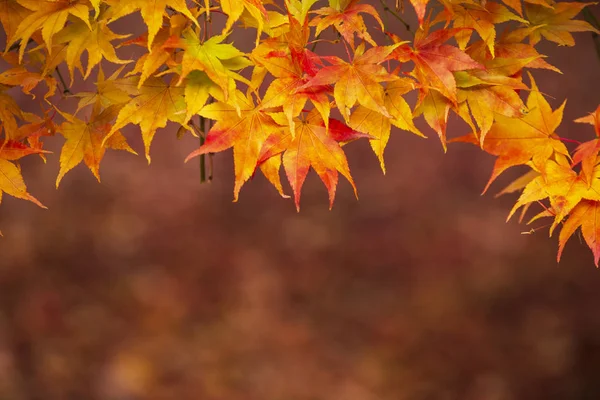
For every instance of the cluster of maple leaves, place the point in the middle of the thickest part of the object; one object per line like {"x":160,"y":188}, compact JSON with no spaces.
{"x":282,"y":104}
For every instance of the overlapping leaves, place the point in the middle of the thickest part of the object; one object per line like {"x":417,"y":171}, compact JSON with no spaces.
{"x":284,"y":104}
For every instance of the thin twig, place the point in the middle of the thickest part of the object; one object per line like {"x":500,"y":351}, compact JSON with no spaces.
{"x":591,"y":18}
{"x":395,"y":14}
{"x":62,"y":81}
{"x":202,"y":156}
{"x":314,"y":46}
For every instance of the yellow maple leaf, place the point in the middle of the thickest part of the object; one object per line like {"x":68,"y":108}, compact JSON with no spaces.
{"x":50,"y":16}
{"x":84,"y":141}
{"x":96,"y":41}
{"x":154,"y":105}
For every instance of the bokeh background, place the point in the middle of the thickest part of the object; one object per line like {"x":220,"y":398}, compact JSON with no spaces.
{"x":151,"y":285}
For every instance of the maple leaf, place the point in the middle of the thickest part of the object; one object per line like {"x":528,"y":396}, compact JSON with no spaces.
{"x":312,"y":145}
{"x":84,"y":141}
{"x":586,"y":215}
{"x":28,"y":80}
{"x":34,"y":128}
{"x":347,"y":21}
{"x":488,"y":95}
{"x":11,"y":15}
{"x":270,"y":169}
{"x":11,"y":180}
{"x":510,"y":48}
{"x":78,"y":38}
{"x":592,"y":119}
{"x":152,"y":13}
{"x":435,"y":108}
{"x":245,"y":132}
{"x":586,"y":154}
{"x":287,"y":89}
{"x":108,"y":92}
{"x":481,"y":17}
{"x":14,"y":150}
{"x":159,"y":54}
{"x":155,"y":104}
{"x":517,"y":141}
{"x":235,"y":8}
{"x":358,"y":81}
{"x":379,"y":126}
{"x":296,"y":38}
{"x":299,"y":9}
{"x":274,"y":24}
{"x":50,"y":17}
{"x":9,"y":112}
{"x":208,"y":57}
{"x":420,"y":7}
{"x":198,"y":89}
{"x":519,"y":183}
{"x":435,"y":61}
{"x":562,"y":186}
{"x":555,"y":23}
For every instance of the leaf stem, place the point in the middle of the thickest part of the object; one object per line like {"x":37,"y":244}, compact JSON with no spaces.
{"x":567,"y":140}
{"x":347,"y":51}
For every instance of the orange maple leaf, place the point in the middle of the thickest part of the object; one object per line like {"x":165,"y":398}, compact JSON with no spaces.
{"x":246,"y":132}
{"x":482,"y":17}
{"x":358,"y":81}
{"x":518,"y":141}
{"x":292,"y":69}
{"x":152,"y":13}
{"x":592,"y":119}
{"x":562,"y":186}
{"x":313,"y":145}
{"x":435,"y":61}
{"x":378,"y":126}
{"x":586,"y":215}
{"x":435,"y":108}
{"x":555,"y":23}
{"x":347,"y":21}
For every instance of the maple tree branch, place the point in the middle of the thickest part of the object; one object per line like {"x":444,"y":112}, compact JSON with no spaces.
{"x":211,"y":156}
{"x":396,"y":15}
{"x":592,"y":20}
{"x":66,"y":89}
{"x":315,"y":42}
{"x":17,"y":44}
{"x":202,"y":156}
{"x":201,"y":132}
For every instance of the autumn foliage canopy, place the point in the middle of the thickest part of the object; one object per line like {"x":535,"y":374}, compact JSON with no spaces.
{"x":286,"y":104}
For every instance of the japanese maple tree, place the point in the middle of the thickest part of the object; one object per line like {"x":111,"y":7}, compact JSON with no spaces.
{"x":286,"y":103}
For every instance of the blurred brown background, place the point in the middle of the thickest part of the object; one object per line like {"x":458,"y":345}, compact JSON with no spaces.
{"x":152,"y":286}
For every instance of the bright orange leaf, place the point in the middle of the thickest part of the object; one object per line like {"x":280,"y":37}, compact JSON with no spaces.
{"x":246,"y":133}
